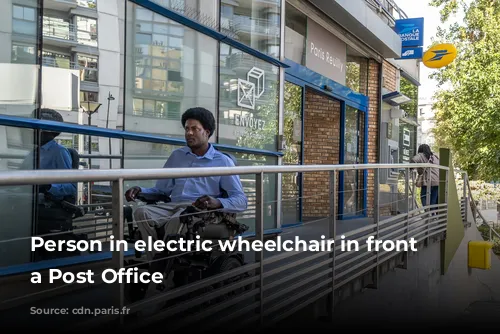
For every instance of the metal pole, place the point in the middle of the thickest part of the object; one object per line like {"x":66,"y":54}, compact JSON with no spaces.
{"x":376,"y":217}
{"x":259,"y":234}
{"x":110,"y":98}
{"x":413,"y":189}
{"x":332,"y":230}
{"x":428,"y":203}
{"x":117,"y":259}
{"x":407,"y":230}
{"x":464,"y":194}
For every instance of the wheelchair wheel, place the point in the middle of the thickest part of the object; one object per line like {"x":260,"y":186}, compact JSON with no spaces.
{"x":135,"y":291}
{"x":226,"y":264}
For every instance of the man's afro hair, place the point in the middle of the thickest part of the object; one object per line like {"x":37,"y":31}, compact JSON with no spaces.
{"x":202,"y":115}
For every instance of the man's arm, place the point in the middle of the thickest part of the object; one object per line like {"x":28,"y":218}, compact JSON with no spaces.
{"x":59,"y":191}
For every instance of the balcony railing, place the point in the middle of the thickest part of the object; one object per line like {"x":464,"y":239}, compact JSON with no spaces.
{"x":68,"y":31}
{"x":60,"y":30}
{"x":243,"y":24}
{"x":388,"y":9}
{"x":60,"y":63}
{"x":243,"y":61}
{"x":86,"y":74}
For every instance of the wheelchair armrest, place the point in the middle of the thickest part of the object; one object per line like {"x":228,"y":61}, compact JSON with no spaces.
{"x":153,"y":198}
{"x":76,"y":210}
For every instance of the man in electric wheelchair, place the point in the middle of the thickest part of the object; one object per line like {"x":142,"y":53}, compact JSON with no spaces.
{"x":186,"y":207}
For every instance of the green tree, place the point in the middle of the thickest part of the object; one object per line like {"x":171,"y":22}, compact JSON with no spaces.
{"x":468,"y":100}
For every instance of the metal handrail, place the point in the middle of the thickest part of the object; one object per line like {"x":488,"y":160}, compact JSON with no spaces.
{"x":31,"y":177}
{"x":342,"y":267}
{"x":476,"y":209}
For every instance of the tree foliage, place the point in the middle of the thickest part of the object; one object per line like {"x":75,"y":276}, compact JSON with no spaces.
{"x":468,"y":100}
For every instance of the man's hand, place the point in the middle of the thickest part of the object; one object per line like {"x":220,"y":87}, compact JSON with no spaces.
{"x":132,"y":193}
{"x":207,"y":202}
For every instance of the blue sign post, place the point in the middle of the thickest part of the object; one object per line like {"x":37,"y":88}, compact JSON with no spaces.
{"x":411,"y":32}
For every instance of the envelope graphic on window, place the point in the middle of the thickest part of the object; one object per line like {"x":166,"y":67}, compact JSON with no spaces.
{"x":246,"y":94}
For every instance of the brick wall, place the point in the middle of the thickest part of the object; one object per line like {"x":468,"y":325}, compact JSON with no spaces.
{"x":389,"y":76}
{"x":373,"y":130}
{"x":321,"y":147}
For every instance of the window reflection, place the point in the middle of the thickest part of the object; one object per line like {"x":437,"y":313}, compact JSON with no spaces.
{"x":353,"y":154}
{"x":357,"y":72}
{"x":174,"y":68}
{"x":201,"y":11}
{"x":254,"y":23}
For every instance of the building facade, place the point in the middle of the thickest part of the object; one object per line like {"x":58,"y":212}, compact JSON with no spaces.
{"x":289,"y":82}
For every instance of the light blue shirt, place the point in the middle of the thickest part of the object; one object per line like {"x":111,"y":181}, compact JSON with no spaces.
{"x":55,"y":156}
{"x":190,"y":189}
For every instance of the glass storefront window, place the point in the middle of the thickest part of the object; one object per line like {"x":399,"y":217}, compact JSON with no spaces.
{"x":353,"y":154}
{"x":16,"y":202}
{"x":248,"y":106}
{"x":253,"y":23}
{"x":291,"y":182}
{"x":171,"y":68}
{"x":249,"y":187}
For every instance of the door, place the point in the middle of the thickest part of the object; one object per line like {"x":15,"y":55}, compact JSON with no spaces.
{"x":352,"y":141}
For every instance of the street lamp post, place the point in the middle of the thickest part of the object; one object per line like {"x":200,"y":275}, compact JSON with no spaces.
{"x":90,"y":108}
{"x":110,"y":98}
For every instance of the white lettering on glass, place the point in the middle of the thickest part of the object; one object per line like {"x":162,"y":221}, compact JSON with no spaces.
{"x":249,"y":122}
{"x":327,"y":57}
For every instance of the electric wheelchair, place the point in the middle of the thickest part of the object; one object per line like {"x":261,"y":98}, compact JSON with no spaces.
{"x":190,"y":267}
{"x":193,"y":266}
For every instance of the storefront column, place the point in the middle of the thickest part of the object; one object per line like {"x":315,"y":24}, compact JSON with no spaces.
{"x":374,"y":69}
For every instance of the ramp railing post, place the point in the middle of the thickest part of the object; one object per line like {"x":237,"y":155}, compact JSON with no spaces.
{"x":259,"y":235}
{"x":407,"y":229}
{"x":376,"y":218}
{"x":466,"y":201}
{"x":118,"y":255}
{"x":332,"y":231}
{"x":428,"y":203}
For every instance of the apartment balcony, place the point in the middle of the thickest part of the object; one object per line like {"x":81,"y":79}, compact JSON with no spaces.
{"x":66,"y":35}
{"x":60,"y":5}
{"x":242,"y":25}
{"x":387,"y":10}
{"x":60,"y":34}
{"x":87,"y":75}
